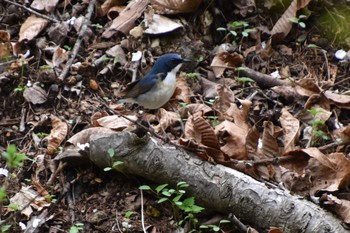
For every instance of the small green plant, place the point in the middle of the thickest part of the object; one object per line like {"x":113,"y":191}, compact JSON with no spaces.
{"x":115,"y":164}
{"x":5,"y":228}
{"x":51,"y":198}
{"x":67,"y":47}
{"x":13,"y":158}
{"x":128,"y":214}
{"x":214,"y":228}
{"x":42,"y":134}
{"x":3,"y":194}
{"x":244,"y":80}
{"x":214,"y":120}
{"x":211,"y":101}
{"x":317,"y":126}
{"x":97,"y":25}
{"x":237,"y":28}
{"x":298,"y":20}
{"x":14,"y":207}
{"x":20,"y":88}
{"x":184,"y":105}
{"x":178,"y":203}
{"x":76,"y":228}
{"x":192,"y":75}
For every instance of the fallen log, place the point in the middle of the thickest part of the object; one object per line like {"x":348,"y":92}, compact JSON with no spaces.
{"x":215,"y":187}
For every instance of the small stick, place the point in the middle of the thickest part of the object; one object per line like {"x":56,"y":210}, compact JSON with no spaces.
{"x":78,"y":42}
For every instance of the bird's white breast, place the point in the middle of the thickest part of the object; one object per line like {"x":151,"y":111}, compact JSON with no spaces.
{"x":161,"y":92}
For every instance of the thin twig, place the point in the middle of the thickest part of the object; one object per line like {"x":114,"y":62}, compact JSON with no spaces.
{"x":142,"y":214}
{"x":79,"y":40}
{"x":117,"y":222}
{"x":32,"y":11}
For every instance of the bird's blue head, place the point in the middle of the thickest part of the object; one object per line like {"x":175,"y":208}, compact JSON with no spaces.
{"x":167,"y":62}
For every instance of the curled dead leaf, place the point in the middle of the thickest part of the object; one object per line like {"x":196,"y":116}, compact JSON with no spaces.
{"x":291,"y":129}
{"x":234,"y":140}
{"x":166,"y":119}
{"x":57,"y":134}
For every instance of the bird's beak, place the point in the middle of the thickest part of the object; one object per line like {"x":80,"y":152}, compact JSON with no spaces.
{"x":186,"y":60}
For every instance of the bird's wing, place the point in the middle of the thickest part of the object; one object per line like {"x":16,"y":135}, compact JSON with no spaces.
{"x":142,"y":86}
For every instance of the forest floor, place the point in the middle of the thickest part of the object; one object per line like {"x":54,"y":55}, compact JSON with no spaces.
{"x":262,"y":98}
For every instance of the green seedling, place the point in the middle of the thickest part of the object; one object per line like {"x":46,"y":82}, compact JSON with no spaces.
{"x":298,"y":20}
{"x":76,"y":228}
{"x":115,"y":164}
{"x":237,"y":29}
{"x":13,"y":158}
{"x":128,"y":214}
{"x":215,"y":228}
{"x":179,"y":204}
{"x":317,"y":126}
{"x":214,"y":120}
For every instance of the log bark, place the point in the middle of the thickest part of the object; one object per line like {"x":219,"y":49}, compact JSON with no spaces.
{"x":215,"y":187}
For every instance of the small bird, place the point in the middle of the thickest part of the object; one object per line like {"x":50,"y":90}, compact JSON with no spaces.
{"x":157,"y":86}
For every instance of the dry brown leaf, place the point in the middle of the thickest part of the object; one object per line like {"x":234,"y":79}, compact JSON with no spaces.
{"x":27,"y":199}
{"x":252,"y":140}
{"x":175,"y":6}
{"x":225,"y":60}
{"x":234,"y":140}
{"x":59,"y":56}
{"x":206,"y":132}
{"x":32,"y":27}
{"x":275,"y":230}
{"x":197,"y":129}
{"x":307,"y":87}
{"x":205,"y":109}
{"x":95,"y":116}
{"x":117,"y":123}
{"x":125,"y":21}
{"x":35,"y":95}
{"x":47,"y":5}
{"x":84,"y":136}
{"x":209,"y":88}
{"x":108,"y":5}
{"x":269,"y":149}
{"x":239,"y":115}
{"x":226,"y":97}
{"x":57,"y":134}
{"x":342,"y":101}
{"x":160,"y":24}
{"x":270,"y":146}
{"x":298,"y":164}
{"x":291,"y":130}
{"x":184,"y":92}
{"x":329,"y":172}
{"x":5,"y":45}
{"x":166,"y":119}
{"x":283,"y":25}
